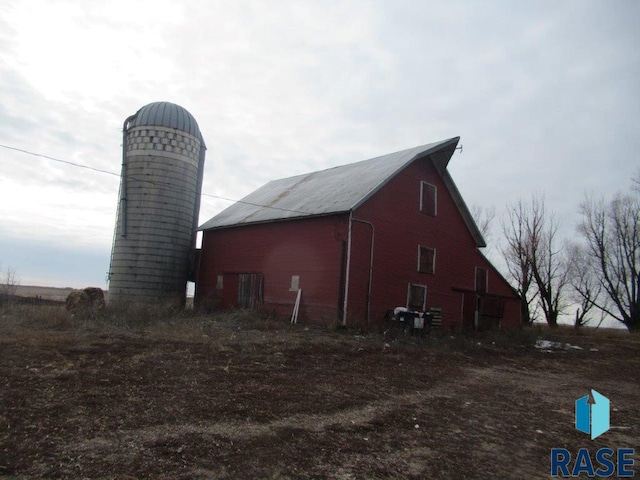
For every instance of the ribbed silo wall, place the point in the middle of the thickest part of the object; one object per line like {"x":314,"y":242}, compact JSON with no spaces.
{"x":151,"y":261}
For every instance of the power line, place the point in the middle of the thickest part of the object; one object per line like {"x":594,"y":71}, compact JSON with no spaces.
{"x":58,"y":160}
{"x":165,"y":185}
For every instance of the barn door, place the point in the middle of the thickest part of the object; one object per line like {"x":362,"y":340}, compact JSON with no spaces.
{"x":230,"y":290}
{"x":250,"y":286}
{"x":469,"y":309}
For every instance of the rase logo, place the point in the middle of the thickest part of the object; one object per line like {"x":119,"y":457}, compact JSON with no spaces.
{"x":592,"y":418}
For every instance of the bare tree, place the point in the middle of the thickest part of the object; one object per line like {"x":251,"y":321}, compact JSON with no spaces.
{"x":9,"y":282}
{"x":612,"y":234}
{"x":587,"y":290}
{"x":515,"y":254}
{"x":547,"y":259}
{"x":535,"y":260}
{"x":484,"y":216}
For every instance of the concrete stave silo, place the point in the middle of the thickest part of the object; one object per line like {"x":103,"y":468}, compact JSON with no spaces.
{"x":154,"y":238}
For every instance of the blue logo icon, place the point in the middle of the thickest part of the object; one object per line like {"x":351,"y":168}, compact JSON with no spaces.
{"x":593,"y":418}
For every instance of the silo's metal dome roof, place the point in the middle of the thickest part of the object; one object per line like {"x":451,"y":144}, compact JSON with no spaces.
{"x":165,"y":114}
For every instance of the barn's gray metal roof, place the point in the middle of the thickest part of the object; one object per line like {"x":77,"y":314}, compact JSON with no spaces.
{"x":165,"y":114}
{"x":335,"y":190}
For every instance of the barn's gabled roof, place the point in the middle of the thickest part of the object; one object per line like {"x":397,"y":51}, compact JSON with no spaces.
{"x":337,"y":190}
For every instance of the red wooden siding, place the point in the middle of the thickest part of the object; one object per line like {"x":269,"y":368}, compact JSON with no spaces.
{"x":309,"y":248}
{"x":315,"y":249}
{"x":400,"y":229}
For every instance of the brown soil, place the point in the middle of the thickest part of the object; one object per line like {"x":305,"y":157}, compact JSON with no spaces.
{"x":269,"y":400}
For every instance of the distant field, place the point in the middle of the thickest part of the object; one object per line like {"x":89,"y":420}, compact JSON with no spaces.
{"x":48,"y":293}
{"x":58,"y":294}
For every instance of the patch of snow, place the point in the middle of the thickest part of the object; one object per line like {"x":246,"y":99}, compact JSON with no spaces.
{"x":548,"y":345}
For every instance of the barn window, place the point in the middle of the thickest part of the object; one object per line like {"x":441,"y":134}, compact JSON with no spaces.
{"x":417,"y":297}
{"x":220,"y":282}
{"x":428,"y":199}
{"x":426,"y":259}
{"x":295,"y":283}
{"x":482,"y":280}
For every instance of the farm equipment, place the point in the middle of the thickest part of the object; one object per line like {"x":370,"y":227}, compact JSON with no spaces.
{"x":402,"y":321}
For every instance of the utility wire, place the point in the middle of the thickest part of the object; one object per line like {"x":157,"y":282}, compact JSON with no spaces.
{"x":166,"y":185}
{"x":58,"y":160}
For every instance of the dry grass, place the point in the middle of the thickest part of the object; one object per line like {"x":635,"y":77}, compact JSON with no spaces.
{"x":165,"y":320}
{"x":34,"y":317}
{"x":157,"y":320}
{"x":589,"y":336}
{"x":148,"y":392}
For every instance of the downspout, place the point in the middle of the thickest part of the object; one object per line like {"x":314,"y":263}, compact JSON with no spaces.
{"x":346,"y":277}
{"x":370,"y":281}
{"x":348,"y":270}
{"x":123,"y":184}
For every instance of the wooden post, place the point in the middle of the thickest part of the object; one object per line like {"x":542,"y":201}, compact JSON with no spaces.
{"x":296,"y":308}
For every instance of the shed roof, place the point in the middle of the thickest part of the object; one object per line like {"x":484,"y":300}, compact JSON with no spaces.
{"x":336,"y":190}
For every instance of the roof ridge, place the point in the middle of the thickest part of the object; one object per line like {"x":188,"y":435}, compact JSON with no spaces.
{"x":360,"y":161}
{"x":328,"y":191}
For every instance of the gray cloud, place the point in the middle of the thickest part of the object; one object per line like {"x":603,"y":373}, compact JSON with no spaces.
{"x":543,"y":94}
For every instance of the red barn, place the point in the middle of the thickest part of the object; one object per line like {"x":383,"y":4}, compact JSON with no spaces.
{"x":357,"y":240}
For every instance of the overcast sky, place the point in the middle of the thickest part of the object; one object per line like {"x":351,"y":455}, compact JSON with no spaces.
{"x":545,"y":96}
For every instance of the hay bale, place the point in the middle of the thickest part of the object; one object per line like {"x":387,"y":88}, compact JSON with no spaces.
{"x":88,"y":298}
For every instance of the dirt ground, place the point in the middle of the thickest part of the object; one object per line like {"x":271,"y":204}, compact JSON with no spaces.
{"x":264,"y":399}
